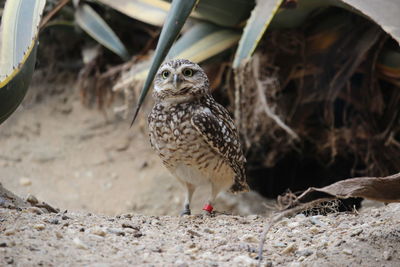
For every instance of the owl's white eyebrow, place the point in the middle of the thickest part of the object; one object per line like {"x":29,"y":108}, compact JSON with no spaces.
{"x":166,"y":68}
{"x":186,"y":66}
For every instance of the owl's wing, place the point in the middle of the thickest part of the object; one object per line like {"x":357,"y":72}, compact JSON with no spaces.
{"x":220,"y":133}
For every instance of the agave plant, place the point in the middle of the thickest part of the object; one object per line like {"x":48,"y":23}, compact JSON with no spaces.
{"x":18,"y":35}
{"x":218,"y":25}
{"x":230,"y":16}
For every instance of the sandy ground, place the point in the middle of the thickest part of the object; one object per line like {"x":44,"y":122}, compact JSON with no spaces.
{"x":118,"y":205}
{"x":31,"y":237}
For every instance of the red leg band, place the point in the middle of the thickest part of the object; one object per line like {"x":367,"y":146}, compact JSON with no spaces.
{"x":208,"y":207}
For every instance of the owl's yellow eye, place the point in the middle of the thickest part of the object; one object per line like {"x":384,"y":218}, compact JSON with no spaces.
{"x":165,"y":74}
{"x":187,"y":72}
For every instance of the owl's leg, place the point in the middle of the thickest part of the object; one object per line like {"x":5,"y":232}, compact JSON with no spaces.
{"x":208,"y":207}
{"x":188,"y":197}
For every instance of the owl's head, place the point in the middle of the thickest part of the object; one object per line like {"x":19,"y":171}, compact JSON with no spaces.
{"x":180,"y":80}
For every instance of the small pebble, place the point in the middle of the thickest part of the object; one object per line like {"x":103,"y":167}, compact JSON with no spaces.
{"x":387,"y":255}
{"x":356,"y":232}
{"x":11,"y":231}
{"x":128,"y":225}
{"x":192,"y":251}
{"x":54,"y":221}
{"x":118,"y":232}
{"x":347,"y":251}
{"x":193,"y":233}
{"x":79,"y":244}
{"x":35,"y":210}
{"x":314,"y":230}
{"x":98,"y":231}
{"x":137,"y":234}
{"x":305,"y":252}
{"x":181,"y":263}
{"x":32,"y":199}
{"x":127,"y":216}
{"x":279,"y":245}
{"x":58,"y":235}
{"x":249,"y":238}
{"x":290,"y":248}
{"x":244,"y":260}
{"x":293,"y":225}
{"x":25,"y":181}
{"x":209,"y":231}
{"x":39,"y":226}
{"x":252,"y":217}
{"x":3,"y":244}
{"x":314,"y":220}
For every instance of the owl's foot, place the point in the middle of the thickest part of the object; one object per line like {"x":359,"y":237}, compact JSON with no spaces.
{"x":185,"y":212}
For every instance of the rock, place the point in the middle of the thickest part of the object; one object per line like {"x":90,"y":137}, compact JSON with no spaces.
{"x":314,"y":230}
{"x":347,"y":251}
{"x":181,"y":263}
{"x":249,"y":238}
{"x":25,"y":181}
{"x":58,"y":235}
{"x":244,"y":260}
{"x":127,"y":216}
{"x":54,"y":221}
{"x":118,"y":232}
{"x":208,"y":231}
{"x":387,"y":255}
{"x":279,"y":245}
{"x":79,"y":243}
{"x":293,"y":225}
{"x":192,"y":251}
{"x":314,"y":220}
{"x":301,"y":258}
{"x":290,"y":248}
{"x":98,"y":231}
{"x":35,"y":210}
{"x":193,"y":233}
{"x":356,"y":232}
{"x":39,"y":226}
{"x":129,"y":225}
{"x":252,"y":217}
{"x":3,"y":244}
{"x":11,"y":231}
{"x":305,"y":252}
{"x":32,"y":199}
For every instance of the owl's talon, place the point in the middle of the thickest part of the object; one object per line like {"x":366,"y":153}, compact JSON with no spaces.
{"x":185,"y":212}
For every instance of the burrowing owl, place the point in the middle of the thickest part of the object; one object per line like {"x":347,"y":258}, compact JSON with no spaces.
{"x":193,"y":134}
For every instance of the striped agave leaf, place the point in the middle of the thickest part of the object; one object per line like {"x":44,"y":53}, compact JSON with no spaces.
{"x":18,"y":35}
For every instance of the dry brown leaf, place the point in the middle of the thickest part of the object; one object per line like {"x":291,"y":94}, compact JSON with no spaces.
{"x":384,"y":189}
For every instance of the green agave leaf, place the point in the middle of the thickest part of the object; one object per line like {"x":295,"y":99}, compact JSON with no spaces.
{"x":18,"y":35}
{"x":179,"y":12}
{"x":229,"y":13}
{"x":256,"y":25}
{"x":201,"y":42}
{"x":294,"y":17}
{"x":152,"y":12}
{"x":98,"y":29}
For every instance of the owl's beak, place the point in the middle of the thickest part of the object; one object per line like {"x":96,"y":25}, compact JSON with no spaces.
{"x":176,"y":80}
